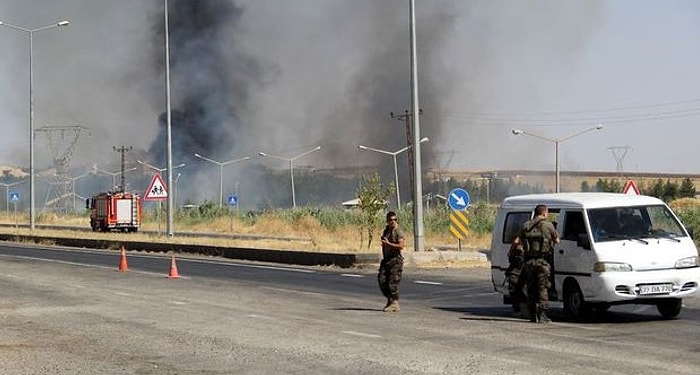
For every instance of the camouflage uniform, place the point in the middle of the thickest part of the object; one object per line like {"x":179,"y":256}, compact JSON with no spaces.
{"x":516,"y":261}
{"x":539,"y":237}
{"x":391,"y":266}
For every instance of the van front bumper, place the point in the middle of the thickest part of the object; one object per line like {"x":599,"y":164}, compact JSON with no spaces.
{"x":644,"y":285}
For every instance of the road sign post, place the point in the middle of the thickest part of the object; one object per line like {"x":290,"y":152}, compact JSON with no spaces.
{"x":157,"y":191}
{"x":232,"y":201}
{"x":458,"y":200}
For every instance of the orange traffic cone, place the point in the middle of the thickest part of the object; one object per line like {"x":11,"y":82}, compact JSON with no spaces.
{"x":122,"y":262}
{"x":173,"y":269}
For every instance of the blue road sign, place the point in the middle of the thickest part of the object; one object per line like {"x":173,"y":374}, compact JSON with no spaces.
{"x":233,"y":200}
{"x":458,"y":199}
{"x":14,"y":196}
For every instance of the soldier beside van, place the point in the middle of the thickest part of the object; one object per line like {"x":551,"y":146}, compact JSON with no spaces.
{"x":537,"y":238}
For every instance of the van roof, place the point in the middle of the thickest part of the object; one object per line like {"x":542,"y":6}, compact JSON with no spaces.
{"x":579,"y":200}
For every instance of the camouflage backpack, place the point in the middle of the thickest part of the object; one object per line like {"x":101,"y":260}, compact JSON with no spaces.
{"x":534,"y":242}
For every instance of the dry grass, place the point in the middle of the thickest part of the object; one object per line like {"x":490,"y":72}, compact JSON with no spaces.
{"x":307,"y":234}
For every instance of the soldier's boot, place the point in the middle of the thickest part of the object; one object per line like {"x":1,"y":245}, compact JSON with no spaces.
{"x":393,"y":306}
{"x":388,"y":302}
{"x":532,"y":312}
{"x":542,"y":314}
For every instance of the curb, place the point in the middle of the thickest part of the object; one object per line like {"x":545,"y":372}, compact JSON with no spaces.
{"x":431,"y":258}
{"x":304,"y":258}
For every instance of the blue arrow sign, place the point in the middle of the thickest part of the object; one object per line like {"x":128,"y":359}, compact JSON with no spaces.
{"x":14,"y":196}
{"x":458,"y":199}
{"x":233,"y":200}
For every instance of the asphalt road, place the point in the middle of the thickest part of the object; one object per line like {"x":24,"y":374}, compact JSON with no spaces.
{"x":71,"y":312}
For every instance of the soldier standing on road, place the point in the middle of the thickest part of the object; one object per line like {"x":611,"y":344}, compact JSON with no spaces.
{"x":538,"y":237}
{"x":391,"y":266}
{"x":516,"y":261}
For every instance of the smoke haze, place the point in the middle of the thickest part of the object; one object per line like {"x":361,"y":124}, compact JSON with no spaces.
{"x":286,"y":76}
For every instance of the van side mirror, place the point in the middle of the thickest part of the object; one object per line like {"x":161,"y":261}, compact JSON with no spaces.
{"x":584,"y":241}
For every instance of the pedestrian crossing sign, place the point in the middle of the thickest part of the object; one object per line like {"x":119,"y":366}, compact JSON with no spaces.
{"x":156,"y":189}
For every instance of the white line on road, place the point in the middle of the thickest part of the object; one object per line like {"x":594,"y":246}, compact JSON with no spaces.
{"x":218,"y":263}
{"x":260,"y":316}
{"x":427,"y":282}
{"x":351,"y":275}
{"x":293,"y":291}
{"x":361,"y":334}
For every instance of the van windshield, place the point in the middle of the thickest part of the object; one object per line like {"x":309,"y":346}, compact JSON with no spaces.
{"x":638,"y":222}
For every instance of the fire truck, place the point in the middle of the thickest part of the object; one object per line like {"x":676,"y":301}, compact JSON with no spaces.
{"x":115,"y":211}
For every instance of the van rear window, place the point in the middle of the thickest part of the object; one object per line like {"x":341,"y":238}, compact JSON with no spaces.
{"x":514,"y":224}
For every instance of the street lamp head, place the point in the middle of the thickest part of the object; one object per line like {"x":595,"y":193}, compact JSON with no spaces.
{"x":197,"y":155}
{"x":63,"y":23}
{"x":600,"y":126}
{"x":517,"y":131}
{"x":361,"y":147}
{"x":262,"y":153}
{"x":424,"y":139}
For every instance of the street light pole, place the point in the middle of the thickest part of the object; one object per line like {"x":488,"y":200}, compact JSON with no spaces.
{"x":556,"y":142}
{"x":221,"y":165}
{"x":168,"y":116}
{"x":31,"y":32}
{"x":114,"y":175}
{"x":418,"y":228}
{"x":396,"y":172}
{"x":159,"y":170}
{"x":291,"y":167}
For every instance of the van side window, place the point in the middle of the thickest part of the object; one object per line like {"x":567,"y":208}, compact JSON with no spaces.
{"x":514,"y":224}
{"x":573,"y":226}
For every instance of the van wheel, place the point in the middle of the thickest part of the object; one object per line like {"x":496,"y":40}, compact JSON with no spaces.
{"x":575,"y":306}
{"x":670,"y":308}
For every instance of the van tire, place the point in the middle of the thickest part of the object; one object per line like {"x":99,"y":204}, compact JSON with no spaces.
{"x":575,"y":305}
{"x":670,"y":308}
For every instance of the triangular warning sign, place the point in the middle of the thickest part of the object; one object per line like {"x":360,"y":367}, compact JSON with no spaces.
{"x":156,"y":189}
{"x":630,"y":188}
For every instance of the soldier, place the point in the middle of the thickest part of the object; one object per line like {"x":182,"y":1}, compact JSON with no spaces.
{"x":516,"y":261}
{"x":538,"y":238}
{"x":391,"y":266}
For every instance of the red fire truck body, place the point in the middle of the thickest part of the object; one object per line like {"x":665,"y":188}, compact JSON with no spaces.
{"x":115,"y":211}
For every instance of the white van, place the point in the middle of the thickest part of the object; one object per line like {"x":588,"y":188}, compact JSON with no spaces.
{"x":614,"y":249}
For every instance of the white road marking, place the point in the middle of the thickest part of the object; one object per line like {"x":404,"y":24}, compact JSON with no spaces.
{"x":123,"y":294}
{"x":361,"y":334}
{"x":293,"y":291}
{"x":260,"y":316}
{"x":427,"y":282}
{"x":178,"y":302}
{"x":87,"y":265}
{"x":288,"y":269}
{"x":351,"y":275}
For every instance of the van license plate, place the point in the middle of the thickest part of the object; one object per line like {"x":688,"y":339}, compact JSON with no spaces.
{"x":655,"y":289}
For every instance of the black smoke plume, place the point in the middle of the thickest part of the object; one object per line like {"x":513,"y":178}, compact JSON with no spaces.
{"x":209,"y":79}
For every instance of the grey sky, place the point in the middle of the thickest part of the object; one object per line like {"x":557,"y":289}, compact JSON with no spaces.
{"x":328,"y":72}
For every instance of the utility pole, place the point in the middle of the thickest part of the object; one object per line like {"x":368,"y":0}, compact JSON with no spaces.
{"x":122,"y":150}
{"x":406,"y":117}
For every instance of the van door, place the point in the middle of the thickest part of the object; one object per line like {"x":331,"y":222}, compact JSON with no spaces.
{"x":573,"y":256}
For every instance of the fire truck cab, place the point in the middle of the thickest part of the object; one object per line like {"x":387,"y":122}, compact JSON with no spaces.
{"x":115,"y":211}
